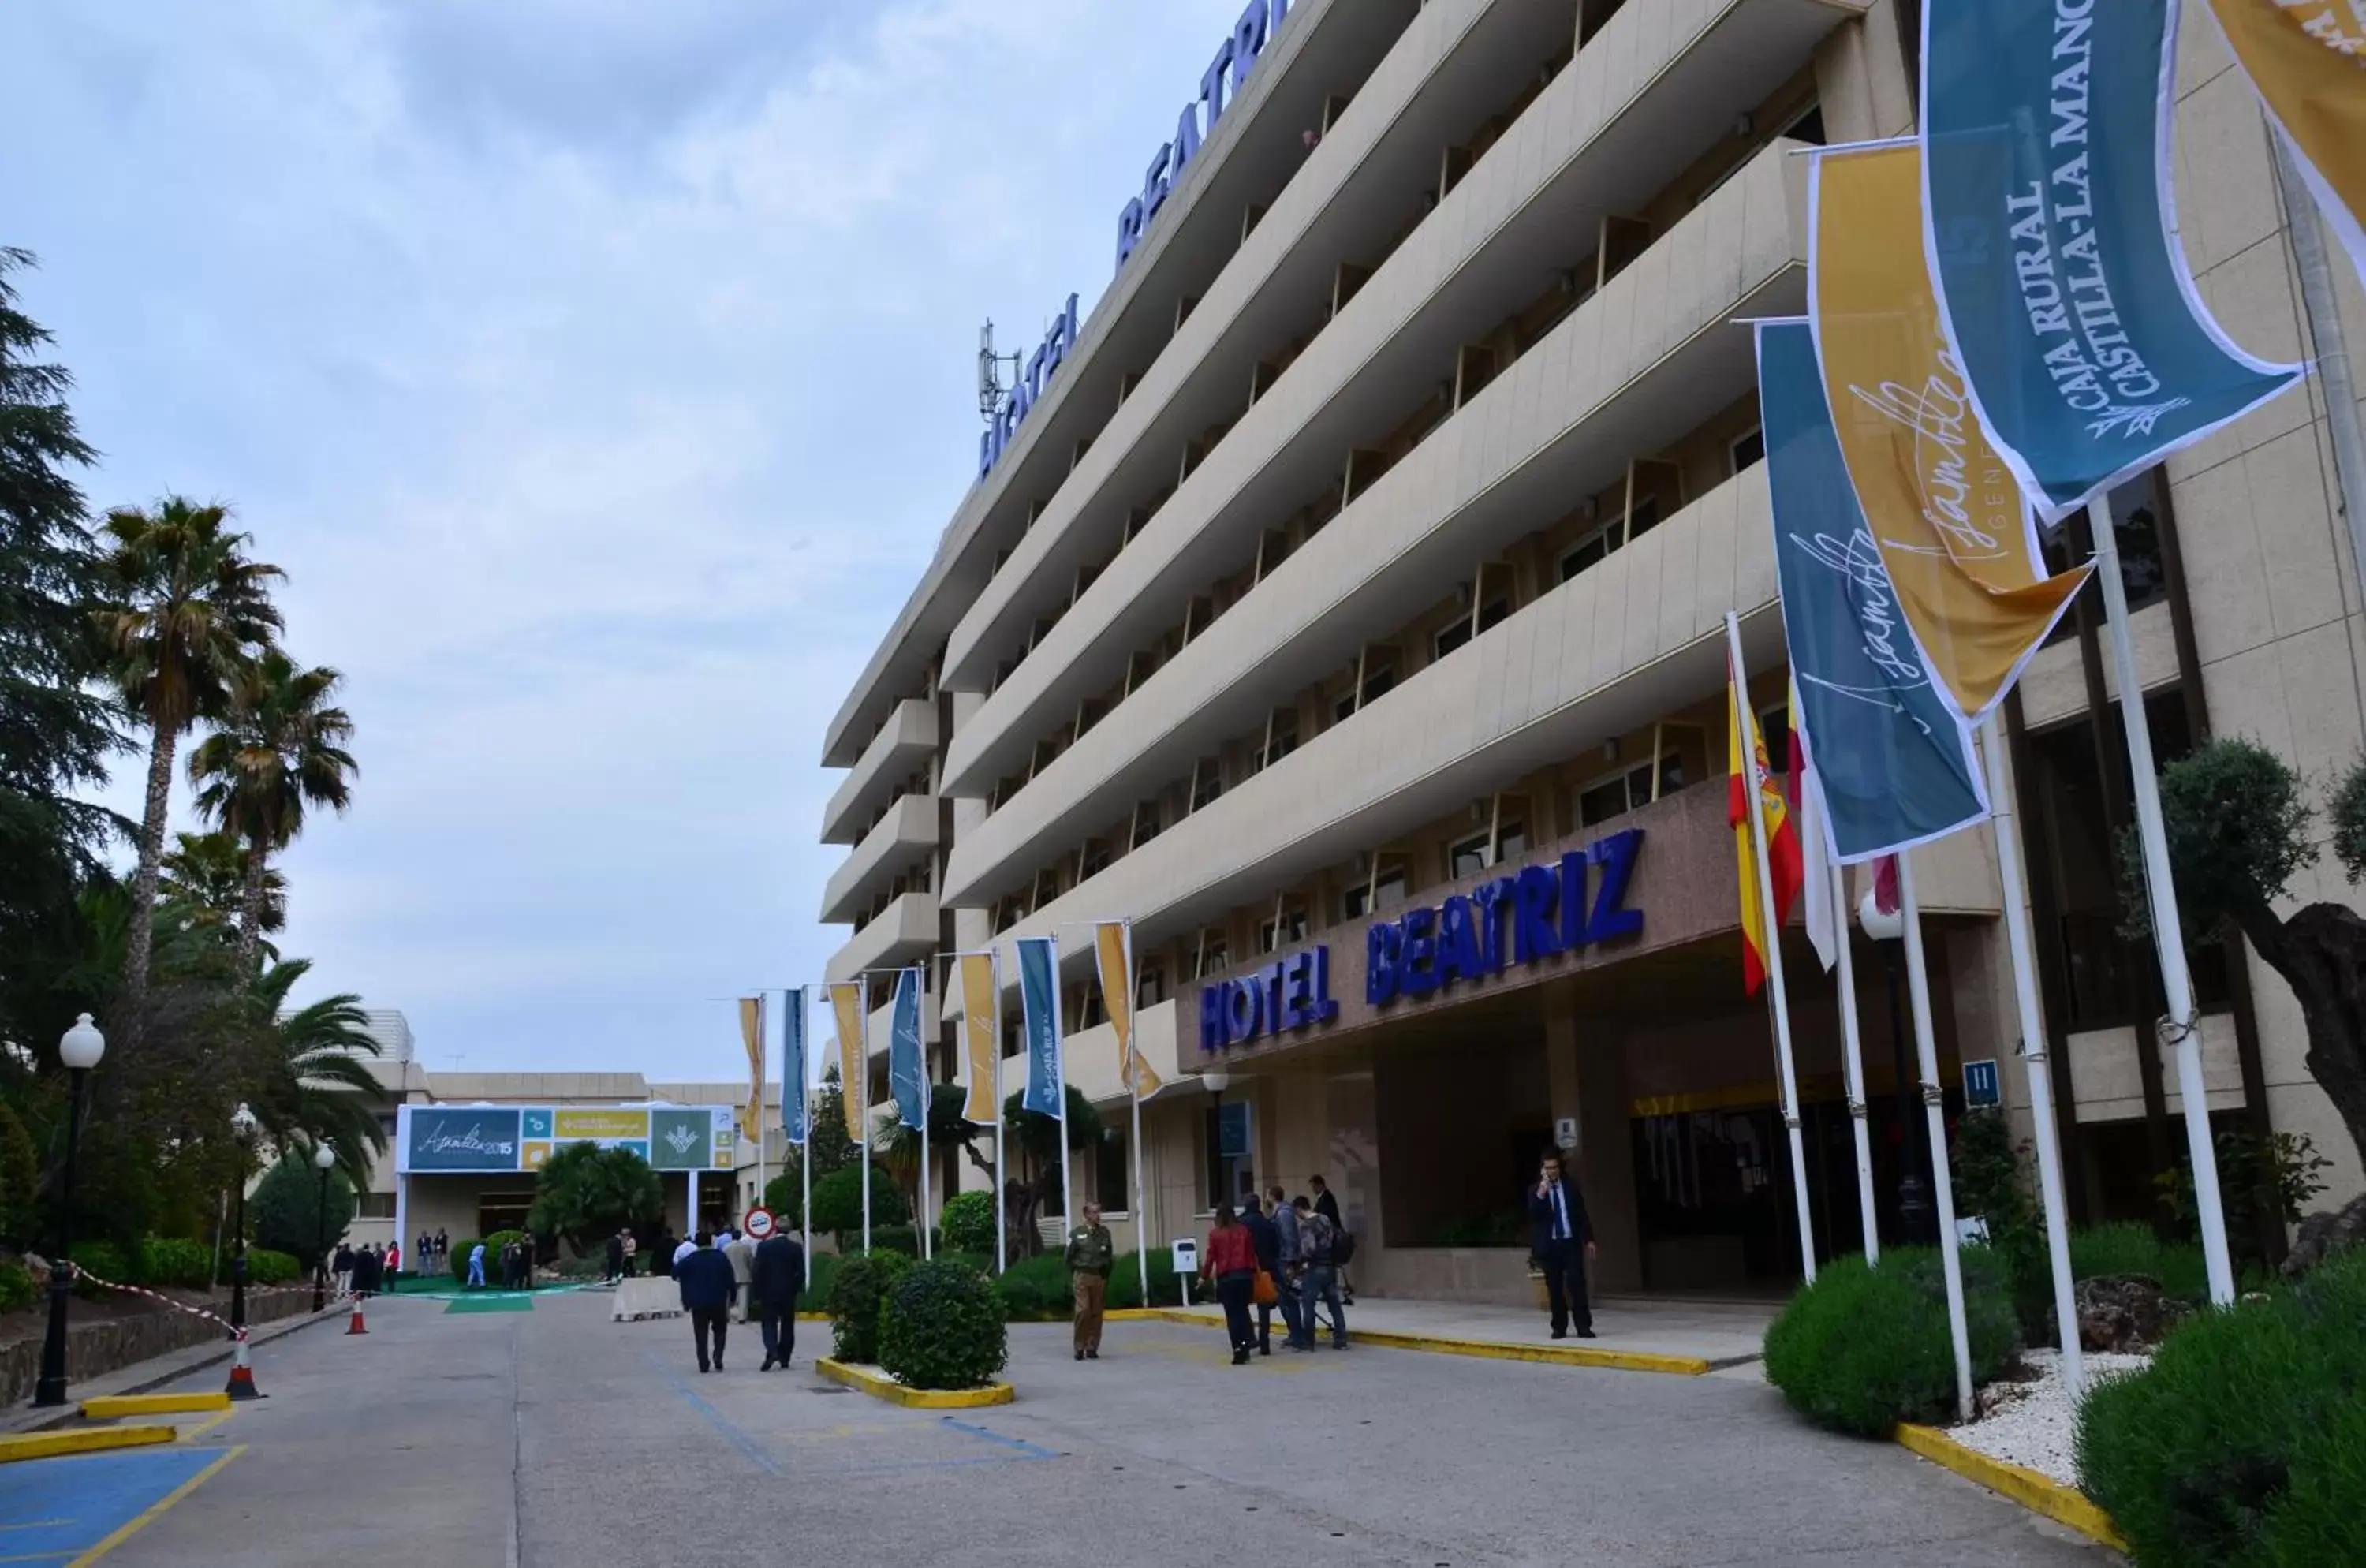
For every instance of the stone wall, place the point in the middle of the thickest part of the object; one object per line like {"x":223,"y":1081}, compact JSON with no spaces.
{"x":96,"y":1348}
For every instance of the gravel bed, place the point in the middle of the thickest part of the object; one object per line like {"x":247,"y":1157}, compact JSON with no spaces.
{"x":2031,"y":1423}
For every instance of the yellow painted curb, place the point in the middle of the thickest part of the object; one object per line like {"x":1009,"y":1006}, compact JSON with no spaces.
{"x":879,"y":1385}
{"x":1485,"y":1350}
{"x":2038,"y":1492}
{"x":81,"y":1441}
{"x":107,"y":1407}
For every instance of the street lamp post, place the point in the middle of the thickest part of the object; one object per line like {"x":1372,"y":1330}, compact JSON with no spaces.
{"x":243,"y":1126}
{"x":1887,"y":927}
{"x":79,"y":1048}
{"x":324,"y":1160}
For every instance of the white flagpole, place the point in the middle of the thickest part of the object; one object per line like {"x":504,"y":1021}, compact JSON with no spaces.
{"x":1001,"y":1214}
{"x":2182,"y":1027}
{"x":928,"y":1094}
{"x":862,"y":1113}
{"x":1777,"y":1003}
{"x":1060,"y":1061}
{"x":804,"y":1150}
{"x":1917,"y":990}
{"x":2034,"y":1055}
{"x":1133,"y":1092}
{"x":1852,"y":1062}
{"x":764,"y":1054}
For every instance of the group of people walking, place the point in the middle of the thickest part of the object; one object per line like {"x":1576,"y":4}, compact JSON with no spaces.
{"x":364,"y":1271}
{"x":711,"y":1270}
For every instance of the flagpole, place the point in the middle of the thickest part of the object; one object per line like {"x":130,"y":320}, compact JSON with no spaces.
{"x":862,"y":1113}
{"x":1134,"y":1093}
{"x":1853,"y":1061}
{"x":928,"y":1099}
{"x":2035,"y":1050}
{"x":1776,"y":1001}
{"x":1917,"y":991}
{"x":763,"y":1051}
{"x":1067,"y":1154}
{"x":2182,"y":1027}
{"x":805,"y":1116}
{"x":1001,"y":1214}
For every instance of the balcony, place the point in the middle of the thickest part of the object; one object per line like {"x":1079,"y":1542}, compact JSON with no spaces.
{"x":904,"y":932}
{"x":903,"y":744}
{"x":1626,"y":372}
{"x":1644,"y":100}
{"x":899,"y":841}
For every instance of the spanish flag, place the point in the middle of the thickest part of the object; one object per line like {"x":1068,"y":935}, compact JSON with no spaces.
{"x":1783,"y":857}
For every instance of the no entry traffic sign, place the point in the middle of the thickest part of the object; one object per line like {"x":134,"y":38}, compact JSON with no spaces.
{"x":758,"y":1224}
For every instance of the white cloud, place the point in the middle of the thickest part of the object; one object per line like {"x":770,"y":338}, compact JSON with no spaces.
{"x":602,"y":374}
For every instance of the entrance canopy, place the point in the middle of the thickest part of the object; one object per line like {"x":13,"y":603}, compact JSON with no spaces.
{"x":492,"y":1139}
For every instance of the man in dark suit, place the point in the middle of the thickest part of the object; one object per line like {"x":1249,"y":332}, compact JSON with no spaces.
{"x":707,"y":1286}
{"x":775,"y":1278}
{"x":1561,"y":1241}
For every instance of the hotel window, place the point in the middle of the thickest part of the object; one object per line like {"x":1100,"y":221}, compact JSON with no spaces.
{"x":1095,"y":859}
{"x":1113,"y":1172}
{"x":1147,"y":823}
{"x":1511,"y":841}
{"x":1275,"y":934}
{"x":1089,"y":1013}
{"x":1379,"y":680}
{"x":1775,"y":724}
{"x":1629,"y":789}
{"x":1747,"y":451}
{"x":1207,"y":782}
{"x":1280,"y":736}
{"x":1383,"y":890}
{"x":1469,"y":857}
{"x":1215,"y":954}
{"x":1150,"y":986}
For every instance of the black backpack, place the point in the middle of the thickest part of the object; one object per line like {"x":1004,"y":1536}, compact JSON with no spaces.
{"x":1342,"y":1247}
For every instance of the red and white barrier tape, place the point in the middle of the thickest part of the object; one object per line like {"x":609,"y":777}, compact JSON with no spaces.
{"x":236,"y":1333}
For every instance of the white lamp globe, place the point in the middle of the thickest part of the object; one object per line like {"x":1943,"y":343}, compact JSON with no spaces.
{"x":1215,"y":1079}
{"x":1882,"y":925}
{"x":323,"y":1159}
{"x":243,"y":1123}
{"x":81,"y":1047}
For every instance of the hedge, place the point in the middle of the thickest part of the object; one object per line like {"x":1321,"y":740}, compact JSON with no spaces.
{"x":463,"y":1246}
{"x":2245,"y":1441}
{"x":173,"y":1260}
{"x":856,"y":1298}
{"x":16,"y":1288}
{"x":941,"y":1326}
{"x":2133,"y":1248}
{"x":1864,"y":1349}
{"x":968,"y":1222}
{"x":266,"y":1267}
{"x":103,"y":1259}
{"x":1036,"y":1290}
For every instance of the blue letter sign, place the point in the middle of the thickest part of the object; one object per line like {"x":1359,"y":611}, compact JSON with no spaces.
{"x":1425,"y":950}
{"x":1229,"y":71}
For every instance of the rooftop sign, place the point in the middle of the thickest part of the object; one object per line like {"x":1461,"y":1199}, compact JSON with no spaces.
{"x":501,"y":1139}
{"x":1235,"y":57}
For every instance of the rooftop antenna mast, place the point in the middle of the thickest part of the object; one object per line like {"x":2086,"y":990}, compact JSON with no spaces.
{"x":990,"y":385}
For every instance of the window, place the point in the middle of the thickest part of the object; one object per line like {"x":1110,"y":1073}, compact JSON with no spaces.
{"x":1747,"y":451}
{"x":1495,"y":612}
{"x":1511,"y":841}
{"x":1089,"y":1013}
{"x":1113,"y":1173}
{"x":1207,"y":782}
{"x":1469,"y":857}
{"x":1146,"y":823}
{"x":1382,"y":892}
{"x":374,"y":1206}
{"x":1095,"y":860}
{"x":1627,"y":790}
{"x":1590,"y":551}
{"x":1275,"y":934}
{"x":1281,"y":736}
{"x":386,"y":1123}
{"x":1451,"y":637}
{"x":1215,"y":955}
{"x":1150,"y":986}
{"x":1378,"y":683}
{"x":1775,"y":724}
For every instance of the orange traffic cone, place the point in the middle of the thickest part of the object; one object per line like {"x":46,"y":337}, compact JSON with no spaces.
{"x":356,"y":1325}
{"x":241,"y":1376}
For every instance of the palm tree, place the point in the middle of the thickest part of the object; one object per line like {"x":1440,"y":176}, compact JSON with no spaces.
{"x":280,"y":749}
{"x":311,"y":1079}
{"x":206,"y":874}
{"x":189,"y":608}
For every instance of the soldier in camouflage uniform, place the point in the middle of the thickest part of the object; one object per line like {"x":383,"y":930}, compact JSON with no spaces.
{"x":1091,"y":1254}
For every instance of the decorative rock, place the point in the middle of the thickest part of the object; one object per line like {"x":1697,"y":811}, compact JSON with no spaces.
{"x":2326,"y":1233}
{"x":2121,"y":1313}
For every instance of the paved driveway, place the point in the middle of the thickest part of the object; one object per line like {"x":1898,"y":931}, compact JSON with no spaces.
{"x":554,"y":1438}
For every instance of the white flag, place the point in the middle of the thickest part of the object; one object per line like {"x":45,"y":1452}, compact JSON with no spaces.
{"x":1823,"y":920}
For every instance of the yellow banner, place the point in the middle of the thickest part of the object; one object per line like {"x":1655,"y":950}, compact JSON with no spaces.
{"x":981,"y":1041}
{"x":846,"y":1008}
{"x":1952,"y":525}
{"x":752,"y":1032}
{"x":1112,"y":946}
{"x":2307,"y":59}
{"x":574,"y":1126}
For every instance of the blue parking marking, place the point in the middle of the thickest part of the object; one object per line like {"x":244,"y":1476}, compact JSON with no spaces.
{"x":54,"y":1510}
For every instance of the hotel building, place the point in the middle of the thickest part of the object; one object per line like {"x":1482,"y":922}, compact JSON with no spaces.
{"x":1369,"y":544}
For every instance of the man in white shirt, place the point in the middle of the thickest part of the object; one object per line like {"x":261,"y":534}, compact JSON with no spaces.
{"x":684,"y":1250}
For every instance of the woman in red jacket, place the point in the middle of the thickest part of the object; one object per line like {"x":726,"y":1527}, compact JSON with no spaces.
{"x":1229,"y":1262}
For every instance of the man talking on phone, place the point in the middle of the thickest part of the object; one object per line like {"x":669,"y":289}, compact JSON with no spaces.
{"x":1563,"y":1244}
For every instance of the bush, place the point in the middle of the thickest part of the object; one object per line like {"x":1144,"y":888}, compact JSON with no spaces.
{"x":968,"y":1222}
{"x":856,"y":1297}
{"x":2243,"y":1442}
{"x":266,"y":1266}
{"x":2133,"y":1248}
{"x":904,"y":1239}
{"x":1864,"y":1349}
{"x":17,"y":1291}
{"x":1125,"y":1281}
{"x":1036,"y":1290}
{"x":286,"y":1212}
{"x":825,"y":1275}
{"x":838,"y":1205}
{"x":463,"y":1246}
{"x":172,"y":1260}
{"x":103,"y":1259}
{"x":942,"y":1328}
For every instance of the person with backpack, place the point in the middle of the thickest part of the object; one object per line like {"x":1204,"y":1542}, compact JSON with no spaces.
{"x":1318,"y":1239}
{"x":1326,"y":1203}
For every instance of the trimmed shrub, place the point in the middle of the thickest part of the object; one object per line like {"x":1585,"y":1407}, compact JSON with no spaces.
{"x":1862,"y":1350}
{"x":1125,"y":1281}
{"x":825,"y":1275}
{"x":904,"y":1239}
{"x":265,"y":1266}
{"x":2243,"y":1443}
{"x":1036,"y":1290}
{"x":941,"y":1327}
{"x":464,"y":1245}
{"x":968,"y":1222}
{"x":838,"y":1205}
{"x":856,"y":1297}
{"x":173,"y":1260}
{"x":103,"y":1259}
{"x":2132,"y":1249}
{"x":17,"y":1291}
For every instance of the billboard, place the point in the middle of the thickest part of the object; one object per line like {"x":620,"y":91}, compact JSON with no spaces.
{"x":501,"y":1139}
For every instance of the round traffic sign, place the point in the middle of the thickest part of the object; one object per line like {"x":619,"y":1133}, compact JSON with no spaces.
{"x":758,"y":1224}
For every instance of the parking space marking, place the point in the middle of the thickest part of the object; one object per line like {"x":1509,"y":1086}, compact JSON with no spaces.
{"x":77,"y":1509}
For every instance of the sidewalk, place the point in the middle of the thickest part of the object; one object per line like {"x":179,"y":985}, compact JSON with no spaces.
{"x":1637,"y":1333}
{"x":157,"y":1370}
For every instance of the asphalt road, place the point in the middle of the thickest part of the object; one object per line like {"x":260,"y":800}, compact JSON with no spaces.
{"x":554,"y":1438}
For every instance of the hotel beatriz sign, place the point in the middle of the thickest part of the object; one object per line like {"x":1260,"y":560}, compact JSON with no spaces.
{"x":1532,"y":914}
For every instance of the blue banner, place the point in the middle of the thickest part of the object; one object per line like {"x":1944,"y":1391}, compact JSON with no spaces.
{"x":794,"y":1070}
{"x":1039,"y":1005}
{"x":906,"y":1076}
{"x":1894,"y":758}
{"x":2052,"y":233}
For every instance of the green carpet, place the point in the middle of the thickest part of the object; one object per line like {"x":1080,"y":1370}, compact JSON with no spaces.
{"x":492,"y":1303}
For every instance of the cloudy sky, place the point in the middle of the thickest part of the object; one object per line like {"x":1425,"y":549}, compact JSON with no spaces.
{"x":601,"y":372}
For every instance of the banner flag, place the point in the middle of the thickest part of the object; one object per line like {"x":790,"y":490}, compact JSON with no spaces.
{"x":2052,"y":230}
{"x":907,"y":1071}
{"x":1039,"y":1005}
{"x":1891,"y":756}
{"x":846,"y":1009}
{"x":751,"y":1034}
{"x":1954,"y":532}
{"x":1743,"y":740}
{"x":981,"y":1041}
{"x":794,"y":1070}
{"x":1113,"y":948}
{"x":2306,"y":59}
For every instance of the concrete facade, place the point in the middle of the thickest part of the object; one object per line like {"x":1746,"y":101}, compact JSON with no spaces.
{"x":1423,"y":396}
